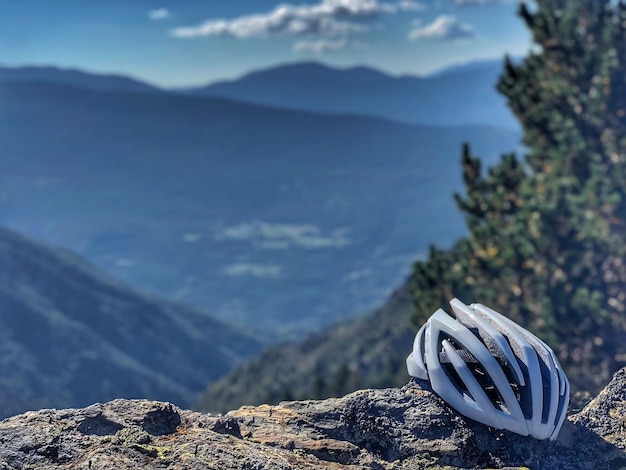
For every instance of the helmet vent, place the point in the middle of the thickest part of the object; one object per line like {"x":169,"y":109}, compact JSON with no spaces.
{"x":474,"y":366}
{"x":456,"y":379}
{"x":545,"y":373}
{"x":484,"y":379}
{"x":447,"y":366}
{"x":523,"y":397}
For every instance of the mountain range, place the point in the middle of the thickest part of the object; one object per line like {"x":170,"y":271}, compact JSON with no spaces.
{"x":460,"y":95}
{"x":276,"y":220}
{"x":71,"y":336}
{"x":78,"y":78}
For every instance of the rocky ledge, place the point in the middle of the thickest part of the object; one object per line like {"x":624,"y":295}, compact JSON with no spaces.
{"x":407,"y":428}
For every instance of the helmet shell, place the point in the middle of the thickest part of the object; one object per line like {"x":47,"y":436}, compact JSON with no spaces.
{"x":492,"y":370}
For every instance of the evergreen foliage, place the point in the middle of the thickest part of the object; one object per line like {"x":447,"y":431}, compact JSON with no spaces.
{"x":546,"y":243}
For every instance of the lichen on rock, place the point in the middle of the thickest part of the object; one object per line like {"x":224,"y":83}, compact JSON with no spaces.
{"x":393,"y":429}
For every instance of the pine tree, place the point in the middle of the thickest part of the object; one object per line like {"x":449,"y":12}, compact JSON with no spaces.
{"x":547,"y":235}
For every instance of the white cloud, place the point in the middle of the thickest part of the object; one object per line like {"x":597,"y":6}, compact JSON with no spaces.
{"x":191,"y":237}
{"x":261,"y":271}
{"x":475,"y":3}
{"x":284,"y":236}
{"x":409,"y":5}
{"x":329,"y":18}
{"x":357,"y":274}
{"x":443,"y":27}
{"x":159,"y":14}
{"x":321,"y":46}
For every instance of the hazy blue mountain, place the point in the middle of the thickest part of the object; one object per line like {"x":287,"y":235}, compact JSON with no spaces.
{"x":276,"y":220}
{"x":489,"y":66}
{"x":460,"y":95}
{"x":99,"y":82}
{"x":71,"y":336}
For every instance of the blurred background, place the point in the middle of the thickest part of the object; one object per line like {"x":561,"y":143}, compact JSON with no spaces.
{"x":221,"y":203}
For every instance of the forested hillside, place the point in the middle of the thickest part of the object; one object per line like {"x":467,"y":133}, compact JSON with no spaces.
{"x":339,"y":359}
{"x":71,"y":336}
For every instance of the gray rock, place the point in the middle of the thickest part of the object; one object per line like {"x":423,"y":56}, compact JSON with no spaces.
{"x":391,"y":429}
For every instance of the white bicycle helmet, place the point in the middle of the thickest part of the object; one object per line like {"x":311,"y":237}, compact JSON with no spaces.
{"x":492,"y":370}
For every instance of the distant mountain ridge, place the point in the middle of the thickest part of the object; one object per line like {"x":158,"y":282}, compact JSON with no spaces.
{"x":315,"y":70}
{"x":462,"y":94}
{"x":71,"y":336}
{"x":459,"y":95}
{"x":74,"y":77}
{"x":472,"y":66}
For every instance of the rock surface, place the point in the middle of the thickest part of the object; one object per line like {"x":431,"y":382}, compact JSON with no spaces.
{"x":406,"y":428}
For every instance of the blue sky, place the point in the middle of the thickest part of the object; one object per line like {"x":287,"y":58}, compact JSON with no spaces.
{"x":185,"y":42}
